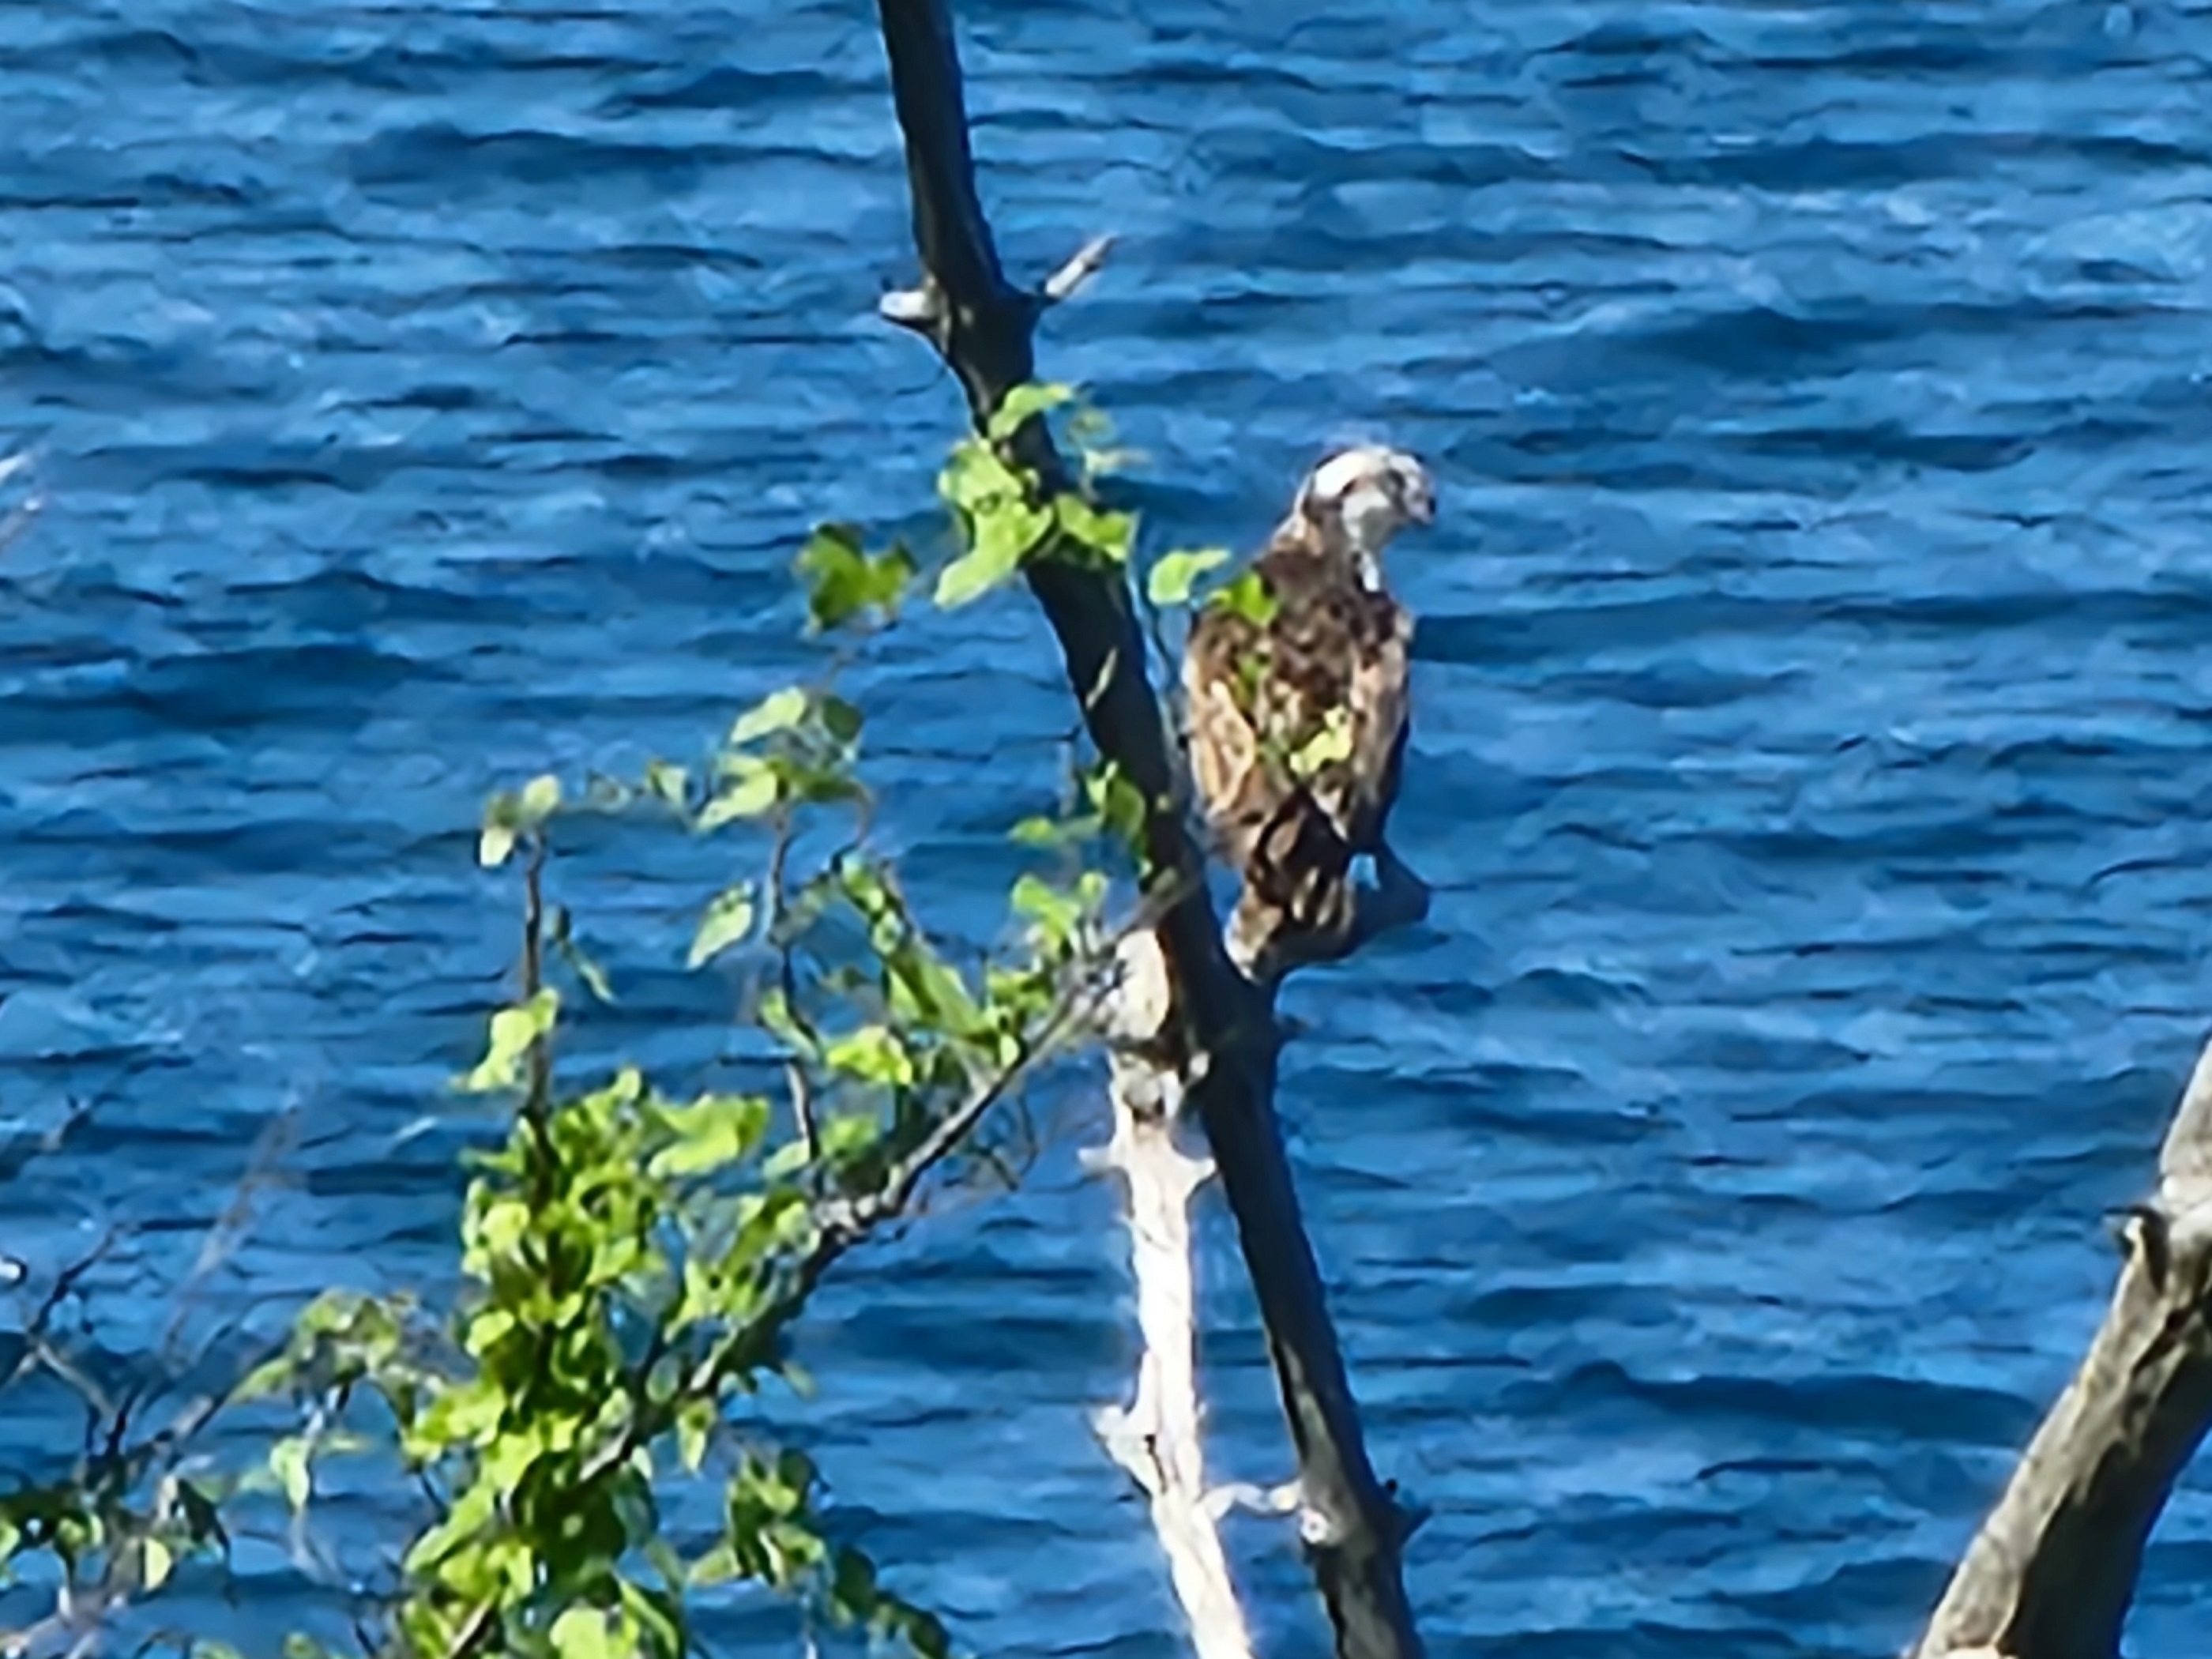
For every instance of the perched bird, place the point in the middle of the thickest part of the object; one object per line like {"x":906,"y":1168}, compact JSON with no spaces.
{"x":1296,"y":680}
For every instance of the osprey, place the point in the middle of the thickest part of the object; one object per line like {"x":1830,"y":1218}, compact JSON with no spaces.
{"x":1295,"y":677}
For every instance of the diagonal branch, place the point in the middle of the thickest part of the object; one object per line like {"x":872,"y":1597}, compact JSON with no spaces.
{"x":2053,"y":1569}
{"x":1223,"y":1031}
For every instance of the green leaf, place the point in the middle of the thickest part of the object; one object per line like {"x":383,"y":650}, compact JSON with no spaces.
{"x":1328,"y":746}
{"x":927,"y":1635}
{"x":977,"y":480}
{"x":1249,"y":597}
{"x":494,"y":844}
{"x":493,"y":1229}
{"x":468,"y":1514}
{"x":1043,"y":832}
{"x":154,"y":1561}
{"x":1004,"y":537}
{"x":541,"y":798}
{"x":823,"y":783}
{"x":729,"y":918}
{"x":890,"y":572}
{"x":502,"y":824}
{"x":669,"y":784}
{"x":288,"y":1461}
{"x":849,"y":1134}
{"x":269,"y":1378}
{"x":509,"y":816}
{"x":713,"y":1131}
{"x":717,"y":1565}
{"x":1108,"y":535}
{"x":835,"y":569}
{"x":485,"y":1330}
{"x":513,"y":1032}
{"x":1057,"y":915}
{"x":754,"y":788}
{"x":510,"y":1457}
{"x":1023,"y":402}
{"x":787,"y":1161}
{"x":842,"y":581}
{"x":842,"y":720}
{"x":874,"y":1054}
{"x":776,"y":1018}
{"x":655,"y":1617}
{"x":1118,"y":802}
{"x":465,"y":1414}
{"x":1171,"y":579}
{"x":695,"y":1423}
{"x":853,"y":1594}
{"x":780,"y":711}
{"x":587,"y":1633}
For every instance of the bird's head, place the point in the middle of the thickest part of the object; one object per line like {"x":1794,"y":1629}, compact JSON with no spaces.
{"x":1357,"y":499}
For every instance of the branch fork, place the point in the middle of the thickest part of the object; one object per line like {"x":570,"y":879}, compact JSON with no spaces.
{"x":1207,"y":1035}
{"x":927,"y":312}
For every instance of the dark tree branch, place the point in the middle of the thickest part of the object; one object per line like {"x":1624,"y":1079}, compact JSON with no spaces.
{"x":2053,"y":1570}
{"x":1225,"y":1028}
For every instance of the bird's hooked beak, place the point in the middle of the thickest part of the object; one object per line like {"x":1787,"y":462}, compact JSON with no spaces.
{"x":1421,"y":502}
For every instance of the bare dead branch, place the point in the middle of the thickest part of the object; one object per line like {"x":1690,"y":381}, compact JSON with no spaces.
{"x":1063,"y":284}
{"x":2054,"y":1568}
{"x":982,"y":326}
{"x":1157,"y":1437}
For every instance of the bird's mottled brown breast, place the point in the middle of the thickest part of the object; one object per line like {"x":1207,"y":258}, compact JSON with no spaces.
{"x":1315,"y":696}
{"x":1327,"y":627}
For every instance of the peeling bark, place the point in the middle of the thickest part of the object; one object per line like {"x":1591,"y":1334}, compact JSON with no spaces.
{"x":1159,"y":1439}
{"x":1219,"y":1045}
{"x":2054,"y":1568}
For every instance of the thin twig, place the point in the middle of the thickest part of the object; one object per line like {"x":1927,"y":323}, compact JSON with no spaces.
{"x":224,"y":1239}
{"x":1085,"y":264}
{"x":537,"y":1101}
{"x":779,"y":911}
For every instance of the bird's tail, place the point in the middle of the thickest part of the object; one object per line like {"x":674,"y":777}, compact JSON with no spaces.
{"x":1299,"y":869}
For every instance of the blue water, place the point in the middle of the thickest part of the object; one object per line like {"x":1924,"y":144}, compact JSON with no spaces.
{"x":1810,"y":752}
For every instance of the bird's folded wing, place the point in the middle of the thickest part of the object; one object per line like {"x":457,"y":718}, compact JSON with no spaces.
{"x":1225,"y":748}
{"x":1381,"y":702}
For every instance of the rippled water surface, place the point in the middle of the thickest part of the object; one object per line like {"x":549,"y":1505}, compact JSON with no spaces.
{"x":1810,"y":749}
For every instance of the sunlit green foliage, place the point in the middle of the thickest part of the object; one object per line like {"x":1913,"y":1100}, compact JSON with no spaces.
{"x":844,"y":582}
{"x":1176,"y":574}
{"x":1006,"y":515}
{"x":1329,"y":744}
{"x":633,"y":1260}
{"x":632,"y":1256}
{"x":1249,"y":597}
